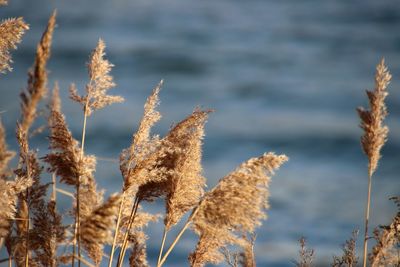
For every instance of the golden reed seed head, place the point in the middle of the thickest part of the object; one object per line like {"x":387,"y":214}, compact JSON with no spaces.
{"x":97,"y":227}
{"x":100,"y":81}
{"x":138,"y":255}
{"x":37,"y":79}
{"x":375,"y":133}
{"x":235,"y":207}
{"x":65,"y":158}
{"x":11,"y":31}
{"x":186,"y":186}
{"x":142,"y":145}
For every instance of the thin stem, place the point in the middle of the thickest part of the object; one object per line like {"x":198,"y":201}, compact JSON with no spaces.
{"x":79,"y":182}
{"x":77,"y":231}
{"x":162,"y":245}
{"x":27,"y":236}
{"x":54,"y":192}
{"x":367,"y":219}
{"x":194,"y":213}
{"x":9,"y":260}
{"x":130,"y":223}
{"x":6,"y":259}
{"x":116,"y":229}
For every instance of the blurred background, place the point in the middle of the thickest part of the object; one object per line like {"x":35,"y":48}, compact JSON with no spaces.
{"x":283,"y":76}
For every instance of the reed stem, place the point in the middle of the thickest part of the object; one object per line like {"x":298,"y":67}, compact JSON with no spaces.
{"x":162,"y":245}
{"x":189,"y":220}
{"x":116,"y":229}
{"x":367,"y":220}
{"x":125,"y":241}
{"x":77,"y":238}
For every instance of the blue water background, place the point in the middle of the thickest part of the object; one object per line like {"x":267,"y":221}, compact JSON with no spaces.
{"x":283,"y":76}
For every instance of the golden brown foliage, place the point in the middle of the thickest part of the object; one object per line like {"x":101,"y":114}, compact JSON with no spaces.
{"x":96,"y":228}
{"x":142,"y":145}
{"x":11,"y":31}
{"x":37,"y":78}
{"x":306,"y":255}
{"x":385,"y":252}
{"x":349,"y":257}
{"x":187,"y":184}
{"x":9,"y":191}
{"x":375,"y":134}
{"x":233,"y":208}
{"x":138,"y":255}
{"x":64,"y":159}
{"x":100,"y":81}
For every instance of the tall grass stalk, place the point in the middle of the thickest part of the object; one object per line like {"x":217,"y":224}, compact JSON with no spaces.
{"x":375,"y":134}
{"x":122,"y":252}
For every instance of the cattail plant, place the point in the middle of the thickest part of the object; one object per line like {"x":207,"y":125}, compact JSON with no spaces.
{"x":375,"y":134}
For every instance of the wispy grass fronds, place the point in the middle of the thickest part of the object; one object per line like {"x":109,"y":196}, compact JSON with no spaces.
{"x":37,"y":78}
{"x":138,"y":254}
{"x":100,"y":81}
{"x":375,"y":134}
{"x":349,"y":257}
{"x":96,"y":229}
{"x":386,"y":251}
{"x":233,"y":208}
{"x":11,"y":31}
{"x":9,"y":191}
{"x":47,"y":234}
{"x":64,"y":158}
{"x":187,"y":182}
{"x":143,"y":145}
{"x":154,"y":176}
{"x":306,"y":255}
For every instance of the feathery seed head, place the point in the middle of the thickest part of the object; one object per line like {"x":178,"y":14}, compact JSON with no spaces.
{"x":100,"y":81}
{"x":235,"y":206}
{"x":37,"y":79}
{"x":11,"y":31}
{"x":375,"y":133}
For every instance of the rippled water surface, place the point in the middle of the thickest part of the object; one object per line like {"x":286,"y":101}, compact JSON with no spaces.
{"x":282,"y":76}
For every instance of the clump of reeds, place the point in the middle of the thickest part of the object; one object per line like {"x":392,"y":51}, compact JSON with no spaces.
{"x":152,"y":167}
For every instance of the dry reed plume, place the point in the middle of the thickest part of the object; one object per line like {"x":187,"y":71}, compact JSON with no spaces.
{"x":375,"y":134}
{"x":11,"y":31}
{"x":167,"y":168}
